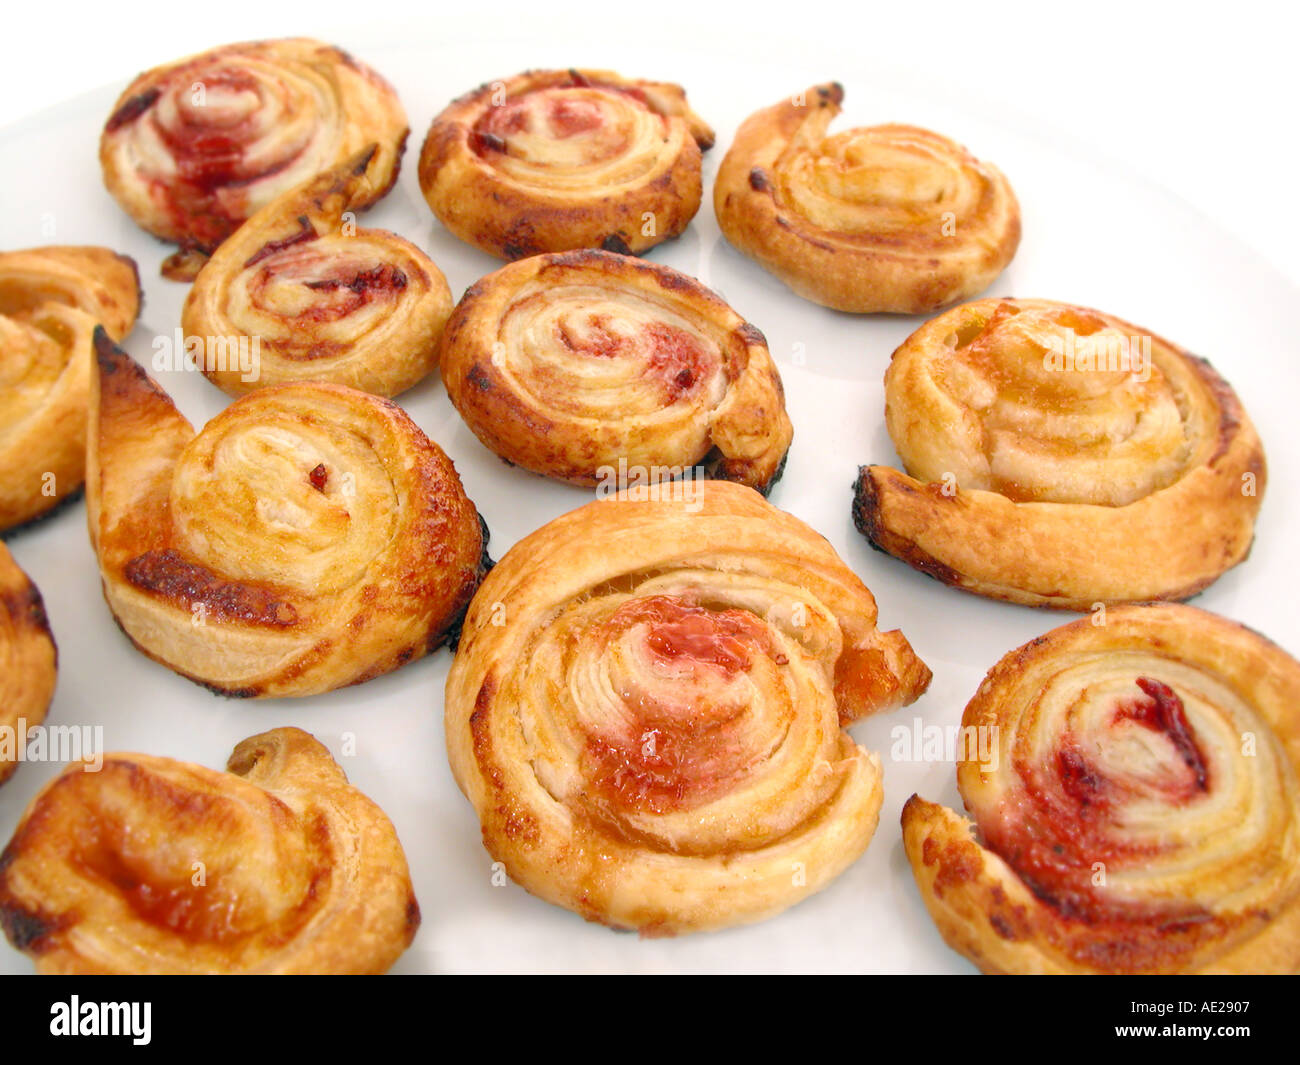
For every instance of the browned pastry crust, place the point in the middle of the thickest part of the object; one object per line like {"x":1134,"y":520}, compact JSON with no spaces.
{"x":552,"y":160}
{"x":195,"y":147}
{"x":316,"y":298}
{"x":885,"y":218}
{"x":50,"y":300}
{"x":1141,"y":813}
{"x":28,"y":661}
{"x":572,"y":363}
{"x":646,"y":711}
{"x":152,"y":865}
{"x":310,"y":537}
{"x":1047,"y":470}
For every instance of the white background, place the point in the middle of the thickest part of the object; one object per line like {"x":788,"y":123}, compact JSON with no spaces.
{"x":1102,"y":121}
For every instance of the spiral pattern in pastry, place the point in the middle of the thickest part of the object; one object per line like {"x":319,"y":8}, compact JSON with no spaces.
{"x":195,"y":147}
{"x":647,"y":707}
{"x":1141,"y":813}
{"x":152,"y":865}
{"x":1061,"y":457}
{"x":50,"y":300}
{"x":553,"y":160}
{"x":318,"y":299}
{"x":310,"y":537}
{"x":28,"y":661}
{"x":884,"y":218}
{"x":573,"y":363}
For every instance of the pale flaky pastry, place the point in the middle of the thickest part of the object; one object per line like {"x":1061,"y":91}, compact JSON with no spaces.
{"x":579,"y":365}
{"x":553,"y":160}
{"x":883,"y":218}
{"x":152,"y":865}
{"x":310,"y":537}
{"x":1139,"y":808}
{"x":50,"y":301}
{"x":195,"y":147}
{"x":28,"y":661}
{"x":647,"y":707}
{"x":1061,"y":457}
{"x":310,"y":297}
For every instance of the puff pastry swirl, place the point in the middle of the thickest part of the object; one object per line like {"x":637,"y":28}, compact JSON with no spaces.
{"x":320,"y":299}
{"x":552,"y":160}
{"x":647,"y":707}
{"x":195,"y":147}
{"x":569,"y":364}
{"x":153,"y":865}
{"x":310,"y":537}
{"x":1142,"y":814}
{"x":884,"y":218}
{"x":1061,"y":457}
{"x":50,"y":300}
{"x":28,"y":660}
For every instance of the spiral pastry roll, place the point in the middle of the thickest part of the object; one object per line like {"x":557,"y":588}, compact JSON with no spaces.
{"x":195,"y":147}
{"x":1061,"y":457}
{"x":885,"y":218}
{"x":310,"y":537}
{"x":553,"y":160}
{"x":318,"y":299}
{"x":28,"y":661}
{"x":152,"y":865}
{"x":50,"y":300}
{"x":1139,"y":810}
{"x":578,"y":364}
{"x":647,"y":710}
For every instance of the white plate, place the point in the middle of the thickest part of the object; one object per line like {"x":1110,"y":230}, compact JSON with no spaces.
{"x":1092,"y":236}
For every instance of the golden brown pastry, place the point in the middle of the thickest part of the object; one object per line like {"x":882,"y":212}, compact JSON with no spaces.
{"x":152,"y":865}
{"x":1061,"y":457}
{"x":552,"y":160}
{"x":1139,"y":812}
{"x":647,"y":707}
{"x":28,"y":661}
{"x":884,"y":218}
{"x":573,"y":363}
{"x":195,"y":147}
{"x":50,"y":300}
{"x":310,"y":537}
{"x":312,"y":298}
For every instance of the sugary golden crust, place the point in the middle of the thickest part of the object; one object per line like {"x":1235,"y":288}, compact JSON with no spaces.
{"x":646,"y":710}
{"x":50,"y":300}
{"x":312,"y":298}
{"x":151,"y":865}
{"x":553,"y":160}
{"x":310,"y":537}
{"x":885,"y":218}
{"x":1140,"y":812}
{"x":573,"y":363}
{"x":28,"y":660}
{"x":195,"y":147}
{"x":1038,"y":478}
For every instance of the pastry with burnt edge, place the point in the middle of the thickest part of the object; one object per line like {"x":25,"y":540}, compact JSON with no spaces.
{"x":553,"y":160}
{"x":153,"y":865}
{"x":310,"y":537}
{"x":883,"y":218}
{"x":572,"y":363}
{"x":1138,"y":807}
{"x":28,"y":660}
{"x":50,"y":301}
{"x":195,"y":147}
{"x":1058,"y":456}
{"x":647,"y":711}
{"x":321,"y":299}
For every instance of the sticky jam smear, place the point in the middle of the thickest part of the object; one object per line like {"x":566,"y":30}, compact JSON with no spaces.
{"x":675,"y":752}
{"x":673,"y":357}
{"x":1059,"y":831}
